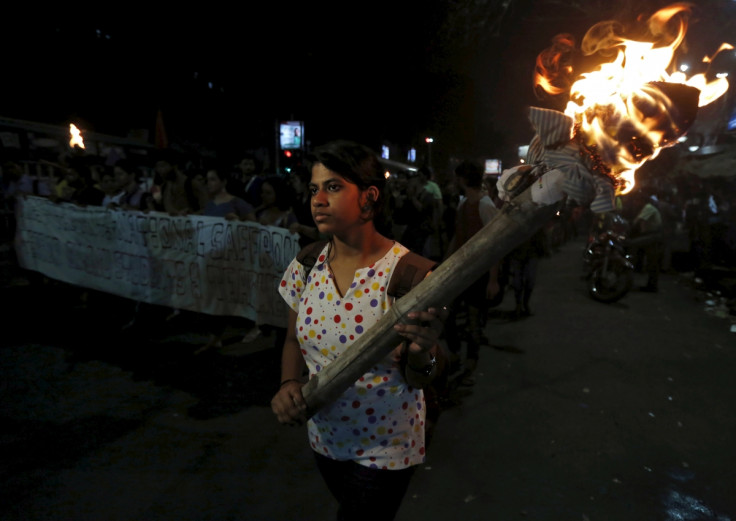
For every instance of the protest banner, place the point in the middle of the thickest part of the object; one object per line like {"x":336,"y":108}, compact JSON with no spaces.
{"x":193,"y":262}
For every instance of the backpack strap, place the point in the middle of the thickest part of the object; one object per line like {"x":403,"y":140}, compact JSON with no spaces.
{"x":410,"y":271}
{"x":308,"y":255}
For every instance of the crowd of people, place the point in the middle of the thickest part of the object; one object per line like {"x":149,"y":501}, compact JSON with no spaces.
{"x":685,"y":224}
{"x":430,"y":218}
{"x":372,"y":221}
{"x":421,"y":211}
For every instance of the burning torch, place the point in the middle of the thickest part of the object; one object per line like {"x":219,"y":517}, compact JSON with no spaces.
{"x":618,"y":117}
{"x":75,"y":137}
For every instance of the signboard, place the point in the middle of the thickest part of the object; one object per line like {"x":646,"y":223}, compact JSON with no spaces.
{"x":493,"y":166}
{"x":291,"y":135}
{"x":523,"y":152}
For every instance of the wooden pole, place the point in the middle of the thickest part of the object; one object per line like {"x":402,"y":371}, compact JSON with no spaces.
{"x":518,"y":220}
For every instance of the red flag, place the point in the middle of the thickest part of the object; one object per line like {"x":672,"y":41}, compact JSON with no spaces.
{"x":161,"y":140}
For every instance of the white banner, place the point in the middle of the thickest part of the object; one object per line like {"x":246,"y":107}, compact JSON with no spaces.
{"x":197,"y":263}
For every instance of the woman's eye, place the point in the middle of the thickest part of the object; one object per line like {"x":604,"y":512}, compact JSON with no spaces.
{"x":333,"y":188}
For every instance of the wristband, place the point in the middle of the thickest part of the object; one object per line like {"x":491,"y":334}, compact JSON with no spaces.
{"x":427,"y":369}
{"x":287,"y":381}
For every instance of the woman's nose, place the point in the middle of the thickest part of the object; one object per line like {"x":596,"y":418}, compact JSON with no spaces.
{"x":318,"y":199}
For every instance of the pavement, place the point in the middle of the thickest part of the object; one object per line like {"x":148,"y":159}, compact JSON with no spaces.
{"x":582,"y":411}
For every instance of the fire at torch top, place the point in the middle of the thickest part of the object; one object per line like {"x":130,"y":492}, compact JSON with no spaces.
{"x":627,"y":110}
{"x":75,"y":139}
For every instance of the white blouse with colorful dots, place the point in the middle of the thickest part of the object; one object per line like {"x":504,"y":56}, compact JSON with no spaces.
{"x":379,"y":421}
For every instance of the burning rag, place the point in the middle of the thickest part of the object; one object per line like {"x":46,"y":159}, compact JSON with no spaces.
{"x":565,"y":171}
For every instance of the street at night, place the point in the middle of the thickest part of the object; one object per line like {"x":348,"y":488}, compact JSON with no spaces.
{"x":166,"y":178}
{"x":581,"y":411}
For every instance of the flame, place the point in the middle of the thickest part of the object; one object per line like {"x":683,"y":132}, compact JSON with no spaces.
{"x":75,"y":136}
{"x":629,"y":108}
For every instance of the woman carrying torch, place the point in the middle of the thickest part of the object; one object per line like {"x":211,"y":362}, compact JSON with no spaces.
{"x":368,"y":441}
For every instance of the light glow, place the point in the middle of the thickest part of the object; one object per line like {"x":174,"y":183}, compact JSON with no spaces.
{"x":75,"y":138}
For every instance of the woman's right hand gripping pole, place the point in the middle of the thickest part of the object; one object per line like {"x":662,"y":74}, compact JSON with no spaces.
{"x":288,"y":405}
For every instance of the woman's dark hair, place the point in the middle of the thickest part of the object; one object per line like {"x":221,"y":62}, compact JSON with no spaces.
{"x":472,"y":173}
{"x":282,"y":190}
{"x":219,"y":172}
{"x":130,"y":167}
{"x":303,"y":173}
{"x":107,"y":170}
{"x":356,"y":163}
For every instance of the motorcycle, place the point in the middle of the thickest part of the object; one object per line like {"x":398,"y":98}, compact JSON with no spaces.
{"x":608,"y":268}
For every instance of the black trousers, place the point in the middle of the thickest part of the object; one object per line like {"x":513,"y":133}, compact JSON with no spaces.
{"x":364,"y":493}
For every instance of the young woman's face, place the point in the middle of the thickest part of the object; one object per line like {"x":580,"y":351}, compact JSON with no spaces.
{"x":107,"y":184}
{"x":122,"y":177}
{"x":268,"y":194}
{"x":164,"y":169}
{"x":214,"y":184}
{"x":336,"y":202}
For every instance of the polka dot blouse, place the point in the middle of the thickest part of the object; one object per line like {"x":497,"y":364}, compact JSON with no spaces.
{"x":379,"y":421}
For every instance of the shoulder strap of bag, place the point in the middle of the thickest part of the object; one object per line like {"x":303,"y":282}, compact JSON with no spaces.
{"x":308,"y":255}
{"x":410,"y":271}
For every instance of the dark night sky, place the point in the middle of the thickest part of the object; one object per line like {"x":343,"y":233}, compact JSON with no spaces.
{"x":459,"y":71}
{"x":373,"y":74}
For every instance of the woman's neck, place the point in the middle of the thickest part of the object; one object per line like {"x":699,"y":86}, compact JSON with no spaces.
{"x":221,"y":197}
{"x":473,"y":194}
{"x":362,"y":247}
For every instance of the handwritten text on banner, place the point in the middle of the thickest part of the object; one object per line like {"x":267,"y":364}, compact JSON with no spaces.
{"x":198,"y":263}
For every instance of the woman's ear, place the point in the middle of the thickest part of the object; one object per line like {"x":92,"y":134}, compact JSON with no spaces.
{"x":368,"y":199}
{"x":372,"y":194}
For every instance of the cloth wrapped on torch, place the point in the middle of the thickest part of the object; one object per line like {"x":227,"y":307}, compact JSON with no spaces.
{"x":559,"y":169}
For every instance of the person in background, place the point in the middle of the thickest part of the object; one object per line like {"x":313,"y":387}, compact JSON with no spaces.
{"x":670,"y":221}
{"x":522,"y":270}
{"x":450,"y":200}
{"x":368,"y":441}
{"x":399,"y":209}
{"x":177,"y":196}
{"x":68,"y":183}
{"x":222,"y":203}
{"x":77,"y":185}
{"x":200,"y":190}
{"x":275,"y":210}
{"x":433,"y":244}
{"x":246,"y":180}
{"x":15,"y":183}
{"x":649,"y":238}
{"x":475,"y":210}
{"x":108,"y":186}
{"x":301,"y":206}
{"x":422,"y":224}
{"x":130,"y":193}
{"x":12,"y":189}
